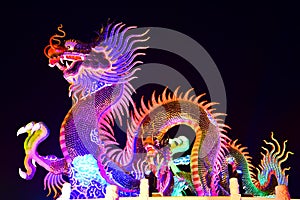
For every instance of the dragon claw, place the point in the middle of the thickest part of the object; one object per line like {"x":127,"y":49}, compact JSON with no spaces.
{"x":25,"y":129}
{"x":22,"y":174}
{"x":36,"y":127}
{"x":33,"y":162}
{"x":29,"y":126}
{"x":37,"y":132}
{"x":21,"y":131}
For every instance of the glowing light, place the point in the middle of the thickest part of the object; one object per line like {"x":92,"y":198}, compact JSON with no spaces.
{"x":85,"y":176}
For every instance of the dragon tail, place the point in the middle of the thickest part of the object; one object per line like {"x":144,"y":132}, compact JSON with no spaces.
{"x":270,"y":172}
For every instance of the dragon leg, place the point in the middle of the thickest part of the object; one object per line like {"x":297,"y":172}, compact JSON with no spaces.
{"x":38,"y":132}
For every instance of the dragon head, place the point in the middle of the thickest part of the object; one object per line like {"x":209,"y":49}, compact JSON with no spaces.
{"x":90,"y":66}
{"x":69,"y":55}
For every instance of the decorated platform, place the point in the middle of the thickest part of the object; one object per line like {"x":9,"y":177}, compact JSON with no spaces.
{"x":112,"y":194}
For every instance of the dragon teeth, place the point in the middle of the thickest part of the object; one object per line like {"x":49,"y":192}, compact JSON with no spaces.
{"x":61,"y":61}
{"x":67,"y":63}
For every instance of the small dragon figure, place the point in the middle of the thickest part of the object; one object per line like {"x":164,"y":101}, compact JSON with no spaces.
{"x":99,"y":74}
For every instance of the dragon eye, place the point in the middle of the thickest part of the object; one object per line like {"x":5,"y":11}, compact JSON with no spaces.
{"x":70,"y":44}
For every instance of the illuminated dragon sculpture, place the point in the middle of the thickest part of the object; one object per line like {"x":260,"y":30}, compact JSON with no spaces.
{"x":99,"y":74}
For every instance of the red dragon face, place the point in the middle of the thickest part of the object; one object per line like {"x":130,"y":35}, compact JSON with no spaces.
{"x":88,"y":67}
{"x":69,"y":55}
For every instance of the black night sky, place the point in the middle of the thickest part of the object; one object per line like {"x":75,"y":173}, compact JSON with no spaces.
{"x":254,"y":46}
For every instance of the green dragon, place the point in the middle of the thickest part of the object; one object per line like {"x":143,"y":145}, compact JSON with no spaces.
{"x":99,"y":74}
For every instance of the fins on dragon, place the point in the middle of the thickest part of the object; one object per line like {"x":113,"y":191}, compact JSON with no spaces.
{"x":99,"y":74}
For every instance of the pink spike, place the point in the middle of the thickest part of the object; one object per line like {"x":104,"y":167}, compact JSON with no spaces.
{"x":211,"y":110}
{"x":120,"y":108}
{"x":114,"y":35}
{"x":223,"y":136}
{"x":110,"y":142}
{"x":175,"y":92}
{"x":215,"y":115}
{"x":128,"y":97}
{"x":121,"y":37}
{"x":248,"y":157}
{"x":196,"y":100}
{"x":243,"y":148}
{"x":170,"y":96}
{"x":219,"y":120}
{"x":180,"y":95}
{"x":129,"y":88}
{"x":192,"y":97}
{"x":125,"y":106}
{"x":234,"y":142}
{"x":144,"y":108}
{"x":111,"y":33}
{"x":222,"y":130}
{"x":159,"y":99}
{"x":141,"y":112}
{"x":163,"y":96}
{"x":223,"y":125}
{"x":149,"y":104}
{"x":108,"y":135}
{"x":188,"y":93}
{"x":129,"y":128}
{"x":210,"y":104}
{"x":117,"y":111}
{"x":136,"y":115}
{"x":202,"y":103}
{"x":153,"y":99}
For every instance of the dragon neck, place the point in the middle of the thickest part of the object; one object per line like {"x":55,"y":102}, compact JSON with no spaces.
{"x":91,"y":115}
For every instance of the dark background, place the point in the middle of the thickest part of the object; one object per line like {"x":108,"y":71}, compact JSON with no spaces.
{"x":255,"y":47}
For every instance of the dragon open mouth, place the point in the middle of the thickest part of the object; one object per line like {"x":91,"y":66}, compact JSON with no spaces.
{"x":69,"y":64}
{"x":70,"y":67}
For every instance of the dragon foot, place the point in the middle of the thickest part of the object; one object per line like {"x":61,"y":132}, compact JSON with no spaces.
{"x":37,"y":132}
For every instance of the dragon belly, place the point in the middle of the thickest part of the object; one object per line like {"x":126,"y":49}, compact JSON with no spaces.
{"x":79,"y":143}
{"x":81,"y":125}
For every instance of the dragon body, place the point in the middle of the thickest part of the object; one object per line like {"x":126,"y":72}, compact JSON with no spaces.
{"x":99,"y":74}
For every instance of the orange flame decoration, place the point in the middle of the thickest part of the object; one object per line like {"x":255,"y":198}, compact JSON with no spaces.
{"x":51,"y":48}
